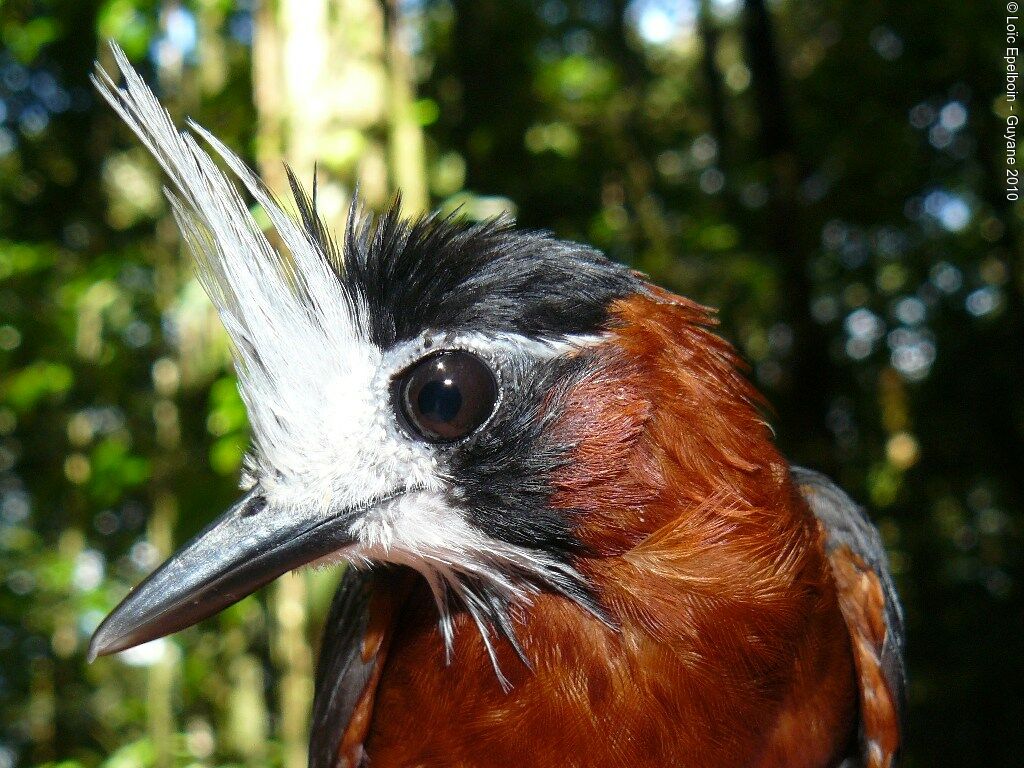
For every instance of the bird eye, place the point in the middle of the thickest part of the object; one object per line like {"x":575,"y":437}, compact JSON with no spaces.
{"x":447,"y":396}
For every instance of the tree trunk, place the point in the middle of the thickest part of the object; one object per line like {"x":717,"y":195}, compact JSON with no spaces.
{"x":803,"y":404}
{"x":709,"y":36}
{"x":406,"y":155}
{"x":333,"y":91}
{"x":160,"y":676}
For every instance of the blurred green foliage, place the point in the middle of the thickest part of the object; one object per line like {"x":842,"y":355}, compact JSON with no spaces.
{"x":835,"y":188}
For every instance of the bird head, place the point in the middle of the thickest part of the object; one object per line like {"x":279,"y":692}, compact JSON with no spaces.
{"x":493,"y":408}
{"x":401,"y":388}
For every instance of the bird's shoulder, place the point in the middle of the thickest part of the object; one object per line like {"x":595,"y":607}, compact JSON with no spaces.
{"x":356,"y":638}
{"x":872,"y":612}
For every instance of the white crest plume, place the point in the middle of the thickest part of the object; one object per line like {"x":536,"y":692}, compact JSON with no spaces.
{"x":295,"y":330}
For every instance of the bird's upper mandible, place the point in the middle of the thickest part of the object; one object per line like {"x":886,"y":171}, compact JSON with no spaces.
{"x":569,"y":538}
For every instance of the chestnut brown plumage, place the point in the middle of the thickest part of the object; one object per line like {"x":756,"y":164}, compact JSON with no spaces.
{"x":728,"y":644}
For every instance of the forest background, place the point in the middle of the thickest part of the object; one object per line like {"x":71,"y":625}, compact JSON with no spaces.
{"x":829,"y":173}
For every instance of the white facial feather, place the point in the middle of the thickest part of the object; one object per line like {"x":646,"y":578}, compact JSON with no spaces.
{"x":317,"y":390}
{"x":305,"y":364}
{"x":423,"y":532}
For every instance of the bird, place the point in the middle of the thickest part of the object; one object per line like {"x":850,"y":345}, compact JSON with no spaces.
{"x":566,"y":535}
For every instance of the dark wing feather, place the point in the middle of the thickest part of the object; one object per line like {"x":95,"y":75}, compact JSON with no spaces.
{"x":871,"y":607}
{"x":343,"y":671}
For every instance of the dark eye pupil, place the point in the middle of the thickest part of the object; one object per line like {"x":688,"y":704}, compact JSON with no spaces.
{"x":446,"y":396}
{"x":440,"y":400}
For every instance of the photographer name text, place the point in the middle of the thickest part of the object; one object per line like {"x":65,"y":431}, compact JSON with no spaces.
{"x":1012,"y":57}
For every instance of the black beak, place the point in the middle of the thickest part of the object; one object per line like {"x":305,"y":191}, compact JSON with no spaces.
{"x":249,"y":546}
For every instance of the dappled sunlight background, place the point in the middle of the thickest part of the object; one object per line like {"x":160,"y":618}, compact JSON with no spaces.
{"x":828,"y":174}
